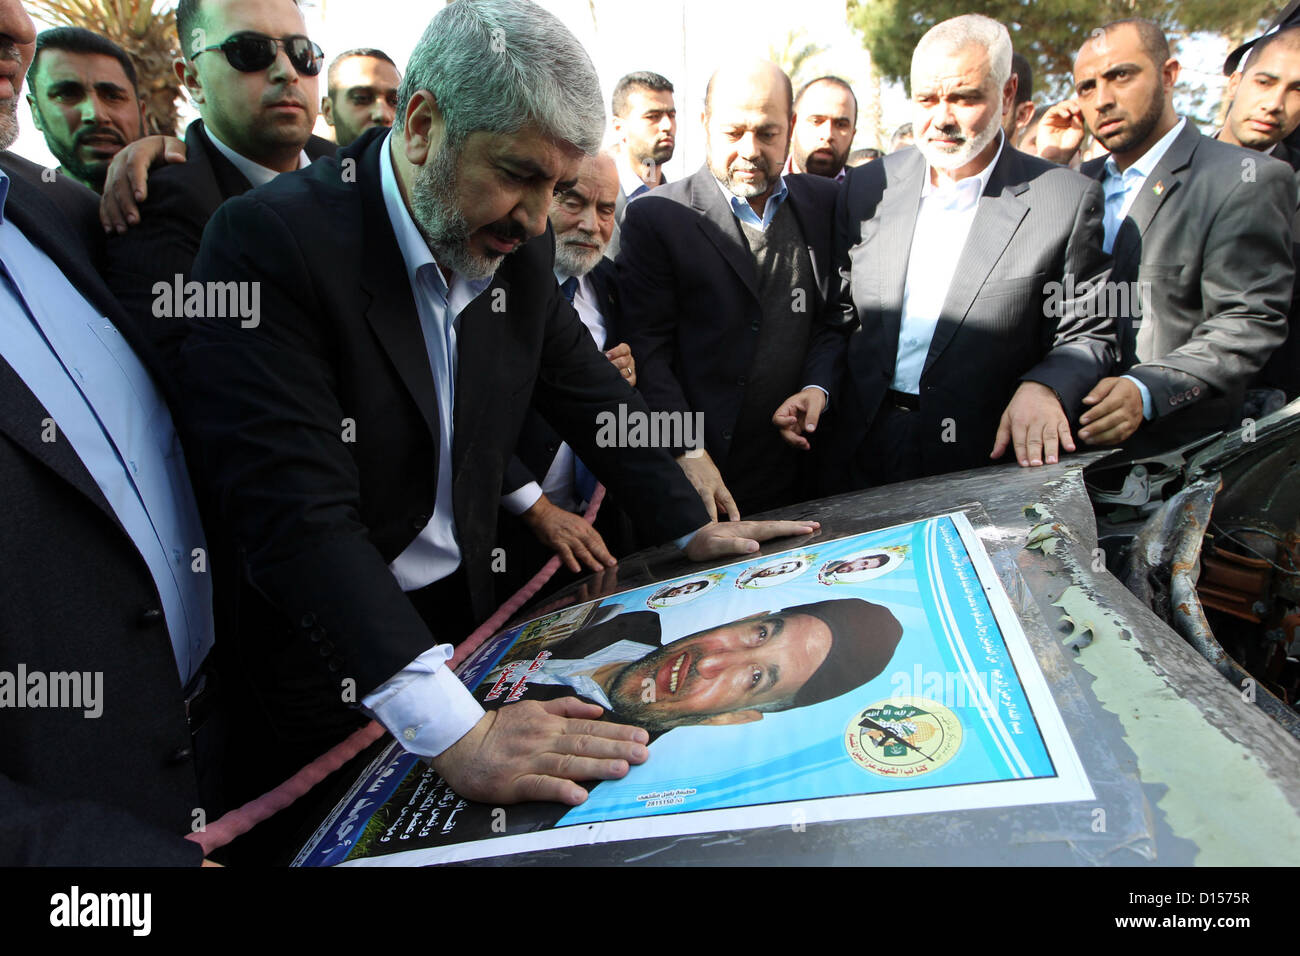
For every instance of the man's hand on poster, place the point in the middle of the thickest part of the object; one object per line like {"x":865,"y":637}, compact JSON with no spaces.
{"x":704,"y":475}
{"x":1115,"y":412}
{"x":621,"y":356}
{"x":798,"y":416}
{"x":1035,"y":425}
{"x":535,"y":751}
{"x":127,"y":180}
{"x":741,"y":537}
{"x":576,"y":542}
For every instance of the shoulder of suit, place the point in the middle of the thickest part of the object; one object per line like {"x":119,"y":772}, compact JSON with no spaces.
{"x":1040,"y":173}
{"x":1228,"y":160}
{"x":75,"y":201}
{"x":817,"y":188}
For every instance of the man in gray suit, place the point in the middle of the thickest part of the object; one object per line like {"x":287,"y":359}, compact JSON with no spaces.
{"x":970,"y":273}
{"x":1203,"y":228}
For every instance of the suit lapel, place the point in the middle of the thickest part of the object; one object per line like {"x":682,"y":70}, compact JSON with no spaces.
{"x":998,"y":215}
{"x":794,"y":200}
{"x":21,"y":417}
{"x":719,"y":224}
{"x":391,"y":311}
{"x":1164,"y":180}
{"x":900,"y":204}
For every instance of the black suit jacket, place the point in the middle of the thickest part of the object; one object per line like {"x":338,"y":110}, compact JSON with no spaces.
{"x":689,"y":289}
{"x":118,"y":789}
{"x":539,"y":442}
{"x":1009,"y":314}
{"x":182,"y":198}
{"x":319,"y":430}
{"x":1209,"y":237}
{"x":1282,"y":370}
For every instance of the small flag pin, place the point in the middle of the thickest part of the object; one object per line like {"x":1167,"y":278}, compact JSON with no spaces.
{"x":1158,"y":188}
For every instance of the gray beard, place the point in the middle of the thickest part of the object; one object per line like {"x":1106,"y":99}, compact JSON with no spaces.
{"x":574,"y":262}
{"x":960,"y":157}
{"x":440,"y":221}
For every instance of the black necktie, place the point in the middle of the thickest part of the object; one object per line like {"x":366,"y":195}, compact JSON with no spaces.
{"x":570,"y":288}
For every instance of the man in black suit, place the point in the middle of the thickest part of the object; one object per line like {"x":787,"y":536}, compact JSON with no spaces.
{"x":729,"y":674}
{"x":98,"y":588}
{"x":548,"y":487}
{"x":357,"y":438}
{"x":1265,"y":111}
{"x":722,"y":277}
{"x":1202,"y":228}
{"x":257,"y":116}
{"x":969,"y":272}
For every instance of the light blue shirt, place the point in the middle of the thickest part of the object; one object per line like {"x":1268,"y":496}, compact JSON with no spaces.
{"x":425,"y":706}
{"x":745,"y":212}
{"x":1121,"y":190}
{"x":435,"y":552}
{"x":105,"y":405}
{"x":943,"y":224}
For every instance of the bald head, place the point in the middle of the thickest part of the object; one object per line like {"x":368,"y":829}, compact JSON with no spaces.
{"x":748,"y":119}
{"x":745,"y":81}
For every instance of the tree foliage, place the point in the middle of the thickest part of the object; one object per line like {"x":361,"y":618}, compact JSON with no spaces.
{"x":1048,"y":32}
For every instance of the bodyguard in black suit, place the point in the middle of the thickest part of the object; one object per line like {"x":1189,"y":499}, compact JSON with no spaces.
{"x":1264,"y":113}
{"x":721,"y":312}
{"x":325,"y":429}
{"x":76,"y":594}
{"x":1203,"y":228}
{"x":263,"y":119}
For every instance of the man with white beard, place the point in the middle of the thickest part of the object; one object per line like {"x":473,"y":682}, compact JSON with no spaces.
{"x":554,"y":487}
{"x":973,"y":276}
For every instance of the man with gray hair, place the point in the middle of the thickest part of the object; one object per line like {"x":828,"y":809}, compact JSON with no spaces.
{"x":972,"y":272}
{"x":358,"y":435}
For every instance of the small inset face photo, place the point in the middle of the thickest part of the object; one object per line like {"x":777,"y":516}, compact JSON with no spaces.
{"x":774,"y":572}
{"x":679,"y":592}
{"x":864,"y":566}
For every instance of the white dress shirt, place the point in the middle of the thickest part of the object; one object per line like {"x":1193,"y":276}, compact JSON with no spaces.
{"x":255,"y":173}
{"x":426,"y":706}
{"x":942,"y":227}
{"x":1121,"y":190}
{"x":557,"y":485}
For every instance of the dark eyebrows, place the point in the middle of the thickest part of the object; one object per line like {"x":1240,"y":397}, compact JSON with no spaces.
{"x":527,"y":167}
{"x":1110,"y":72}
{"x":65,"y":86}
{"x":773,"y":676}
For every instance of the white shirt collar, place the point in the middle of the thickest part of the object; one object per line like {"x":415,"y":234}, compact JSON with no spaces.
{"x":255,"y":173}
{"x":1147,"y":161}
{"x":627,"y":177}
{"x":964,"y":185}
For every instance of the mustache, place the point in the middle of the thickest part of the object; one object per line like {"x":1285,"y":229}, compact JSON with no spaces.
{"x":507,"y":231}
{"x":97,"y":131}
{"x":953,"y":133}
{"x":9,"y":50}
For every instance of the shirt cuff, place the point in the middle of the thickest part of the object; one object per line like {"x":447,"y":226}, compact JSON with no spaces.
{"x":521,"y":499}
{"x":1148,"y":409}
{"x":425,"y":706}
{"x":823,"y":391}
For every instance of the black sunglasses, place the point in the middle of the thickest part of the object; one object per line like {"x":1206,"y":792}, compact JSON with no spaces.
{"x":249,"y":52}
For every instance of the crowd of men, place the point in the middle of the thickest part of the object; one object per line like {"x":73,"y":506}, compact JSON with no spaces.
{"x":283,"y":420}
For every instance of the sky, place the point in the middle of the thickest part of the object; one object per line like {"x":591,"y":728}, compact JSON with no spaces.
{"x":682,"y":39}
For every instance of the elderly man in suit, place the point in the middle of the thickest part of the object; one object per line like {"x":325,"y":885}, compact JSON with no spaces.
{"x":358,"y":436}
{"x":723,"y":277}
{"x":1203,"y":228}
{"x":1265,"y":111}
{"x":254,"y":81}
{"x":970,"y":274}
{"x":548,"y":486}
{"x":99,"y":589}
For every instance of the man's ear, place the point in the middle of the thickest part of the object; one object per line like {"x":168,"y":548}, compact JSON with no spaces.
{"x":1009,"y":94}
{"x":189,"y":77}
{"x":36,"y":113}
{"x":327,"y":110}
{"x":1230,"y":92}
{"x":1169,"y":74}
{"x":733,"y":717}
{"x":1024,"y":113}
{"x":423,"y":129}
